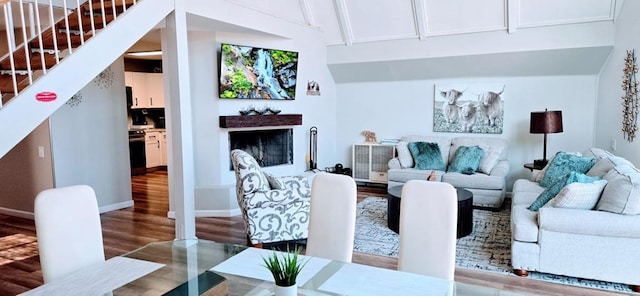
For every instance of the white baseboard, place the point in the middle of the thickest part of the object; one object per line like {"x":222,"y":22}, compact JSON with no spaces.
{"x":210,"y":213}
{"x":28,"y":215}
{"x":16,"y":213}
{"x":117,"y":206}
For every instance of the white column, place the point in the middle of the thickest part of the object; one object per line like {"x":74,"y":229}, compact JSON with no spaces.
{"x":175,"y":64}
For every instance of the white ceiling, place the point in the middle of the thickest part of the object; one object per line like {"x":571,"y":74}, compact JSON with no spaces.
{"x":347,"y":23}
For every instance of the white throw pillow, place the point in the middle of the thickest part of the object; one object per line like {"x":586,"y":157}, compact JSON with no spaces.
{"x":622,"y":193}
{"x":597,"y":153}
{"x":404,"y":155}
{"x":605,"y":164}
{"x":490,"y":158}
{"x":583,"y":196}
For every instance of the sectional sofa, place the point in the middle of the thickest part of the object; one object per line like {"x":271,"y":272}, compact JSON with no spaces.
{"x":487,"y":184}
{"x":581,"y":232}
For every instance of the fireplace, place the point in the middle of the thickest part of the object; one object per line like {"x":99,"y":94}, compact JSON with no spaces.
{"x":269,"y":147}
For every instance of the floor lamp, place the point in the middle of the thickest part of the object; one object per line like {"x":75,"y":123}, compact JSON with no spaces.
{"x":547,"y":122}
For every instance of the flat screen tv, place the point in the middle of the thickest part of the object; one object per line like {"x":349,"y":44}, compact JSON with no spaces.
{"x":257,"y":73}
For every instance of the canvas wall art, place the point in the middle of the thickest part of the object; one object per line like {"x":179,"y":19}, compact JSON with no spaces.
{"x":468,"y":108}
{"x":257,"y":73}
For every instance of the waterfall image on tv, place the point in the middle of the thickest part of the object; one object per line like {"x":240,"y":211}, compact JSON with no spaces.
{"x":257,"y":73}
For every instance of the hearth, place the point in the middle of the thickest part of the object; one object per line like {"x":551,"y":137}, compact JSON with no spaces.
{"x":269,"y":147}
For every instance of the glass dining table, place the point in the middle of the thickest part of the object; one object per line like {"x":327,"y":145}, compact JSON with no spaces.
{"x":201,"y":267}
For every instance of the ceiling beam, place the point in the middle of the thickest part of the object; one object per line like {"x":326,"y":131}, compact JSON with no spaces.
{"x":344,"y":21}
{"x":306,"y":13}
{"x":420,"y":14}
{"x":512,"y":15}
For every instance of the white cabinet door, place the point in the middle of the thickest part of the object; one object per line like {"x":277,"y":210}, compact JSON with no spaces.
{"x":155,"y":90}
{"x":152,"y":151}
{"x":139,"y":90}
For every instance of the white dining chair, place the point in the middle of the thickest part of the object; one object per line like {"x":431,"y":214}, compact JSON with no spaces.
{"x":332,"y":218}
{"x":68,"y":230}
{"x":428,"y":223}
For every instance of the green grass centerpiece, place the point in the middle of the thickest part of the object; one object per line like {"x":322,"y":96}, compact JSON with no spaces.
{"x":285,"y":268}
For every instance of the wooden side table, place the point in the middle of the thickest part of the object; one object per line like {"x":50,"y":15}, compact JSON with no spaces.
{"x":532,"y":166}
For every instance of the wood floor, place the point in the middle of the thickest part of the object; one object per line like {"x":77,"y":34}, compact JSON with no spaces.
{"x":128,"y":229}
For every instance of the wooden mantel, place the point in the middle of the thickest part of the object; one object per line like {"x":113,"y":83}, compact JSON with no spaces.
{"x":236,"y":121}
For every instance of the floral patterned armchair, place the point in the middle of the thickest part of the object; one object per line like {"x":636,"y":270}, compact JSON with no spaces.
{"x":275,"y":209}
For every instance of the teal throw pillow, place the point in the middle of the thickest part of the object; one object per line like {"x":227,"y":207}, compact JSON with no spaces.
{"x":426,"y":156}
{"x":564,"y":163}
{"x":466,"y":160}
{"x":554,"y":189}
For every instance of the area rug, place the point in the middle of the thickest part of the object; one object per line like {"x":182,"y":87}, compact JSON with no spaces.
{"x":487,"y":248}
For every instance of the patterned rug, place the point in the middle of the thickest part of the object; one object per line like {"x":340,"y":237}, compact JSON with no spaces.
{"x":487,"y":248}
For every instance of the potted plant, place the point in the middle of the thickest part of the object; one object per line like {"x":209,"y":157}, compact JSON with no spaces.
{"x":285,"y":269}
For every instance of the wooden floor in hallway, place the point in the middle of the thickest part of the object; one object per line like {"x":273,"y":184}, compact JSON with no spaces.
{"x":127,"y":229}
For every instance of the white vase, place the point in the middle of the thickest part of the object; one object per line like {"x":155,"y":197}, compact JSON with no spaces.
{"x":286,"y":291}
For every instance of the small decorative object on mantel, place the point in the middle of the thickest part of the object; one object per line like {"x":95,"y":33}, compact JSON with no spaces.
{"x":630,"y":98}
{"x":313,"y":88}
{"x":285,"y":269}
{"x":369,"y":137}
{"x":266,"y":110}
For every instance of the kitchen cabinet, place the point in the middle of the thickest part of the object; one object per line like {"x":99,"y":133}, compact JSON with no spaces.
{"x":155,"y":90}
{"x":156,"y":148}
{"x":163,"y":148}
{"x":147,"y":89}
{"x":152,"y":149}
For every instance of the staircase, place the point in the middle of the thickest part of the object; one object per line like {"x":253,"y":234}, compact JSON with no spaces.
{"x":65,"y":56}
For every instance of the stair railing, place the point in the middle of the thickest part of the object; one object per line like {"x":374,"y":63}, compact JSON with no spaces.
{"x":32,"y":24}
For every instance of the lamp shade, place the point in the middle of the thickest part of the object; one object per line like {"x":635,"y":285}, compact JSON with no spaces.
{"x":547,"y":122}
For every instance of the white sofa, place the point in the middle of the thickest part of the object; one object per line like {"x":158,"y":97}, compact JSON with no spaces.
{"x":488,"y":188}
{"x":593,"y":244}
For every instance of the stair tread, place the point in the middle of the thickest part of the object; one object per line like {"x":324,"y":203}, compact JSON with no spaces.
{"x":20,"y":60}
{"x":47,"y":40}
{"x":6,"y":83}
{"x":108,"y":5}
{"x":74,"y":23}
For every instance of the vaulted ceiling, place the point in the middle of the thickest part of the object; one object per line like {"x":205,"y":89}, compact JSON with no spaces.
{"x":346,"y":22}
{"x":399,"y":39}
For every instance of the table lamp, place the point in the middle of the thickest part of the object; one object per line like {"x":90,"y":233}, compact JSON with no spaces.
{"x":547,"y":122}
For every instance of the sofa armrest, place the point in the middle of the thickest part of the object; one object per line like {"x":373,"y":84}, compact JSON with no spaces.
{"x":501,"y":169}
{"x":589,"y":222}
{"x":534,"y":175}
{"x":272,"y":198}
{"x":394,"y":163}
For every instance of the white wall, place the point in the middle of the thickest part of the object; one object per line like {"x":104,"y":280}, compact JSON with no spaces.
{"x":394,"y":109}
{"x":215,"y":183}
{"x":609,"y":119}
{"x":23,"y":173}
{"x":89,"y":142}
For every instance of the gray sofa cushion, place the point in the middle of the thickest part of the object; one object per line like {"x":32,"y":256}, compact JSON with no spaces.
{"x":622,"y":193}
{"x":525,"y":224}
{"x":405,"y":175}
{"x":605,"y":164}
{"x":524,"y":185}
{"x":477,"y":180}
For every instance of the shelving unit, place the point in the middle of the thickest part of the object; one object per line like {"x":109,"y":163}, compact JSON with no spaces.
{"x":370,"y":162}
